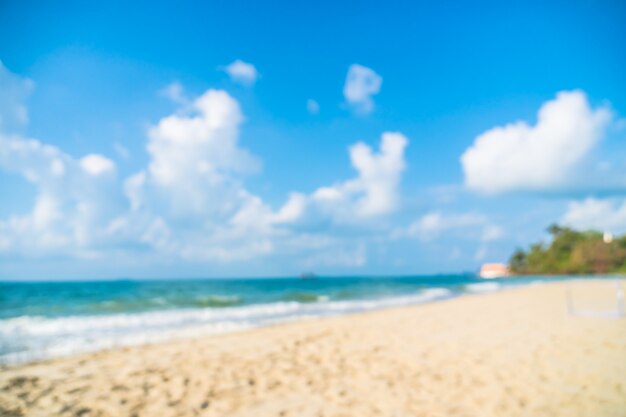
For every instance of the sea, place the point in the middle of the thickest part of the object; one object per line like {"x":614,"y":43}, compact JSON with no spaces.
{"x":40,"y":320}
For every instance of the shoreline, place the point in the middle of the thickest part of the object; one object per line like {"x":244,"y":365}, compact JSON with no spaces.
{"x":425,"y":296}
{"x":210,"y":322}
{"x":296,"y":321}
{"x":287,"y":323}
{"x":94,"y":326}
{"x":512,"y":352}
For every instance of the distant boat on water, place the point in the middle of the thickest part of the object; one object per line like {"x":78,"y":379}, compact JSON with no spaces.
{"x":308,"y":275}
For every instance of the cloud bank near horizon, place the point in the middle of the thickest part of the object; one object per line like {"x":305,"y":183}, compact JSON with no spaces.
{"x":190,"y":201}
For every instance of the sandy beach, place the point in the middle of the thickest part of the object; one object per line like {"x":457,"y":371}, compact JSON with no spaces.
{"x":515,"y":353}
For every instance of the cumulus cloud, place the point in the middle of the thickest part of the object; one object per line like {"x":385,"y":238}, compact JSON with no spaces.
{"x":189,"y":201}
{"x":542,"y":157}
{"x":238,"y":224}
{"x":375,"y":190}
{"x":213,"y":216}
{"x":75,"y":199}
{"x":193,"y":155}
{"x":607,"y":215}
{"x":191,"y":196}
{"x":95,"y":164}
{"x":361,"y":85}
{"x":242,"y":72}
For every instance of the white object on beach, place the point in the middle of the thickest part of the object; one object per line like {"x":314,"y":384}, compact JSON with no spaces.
{"x":618,"y":311}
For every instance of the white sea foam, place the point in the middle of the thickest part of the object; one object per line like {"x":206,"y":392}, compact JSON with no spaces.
{"x":28,"y":338}
{"x":483,"y":287}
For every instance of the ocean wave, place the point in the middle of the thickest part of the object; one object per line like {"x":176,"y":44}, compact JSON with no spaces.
{"x":217,"y":301}
{"x":157,"y":303}
{"x":29,"y":338}
{"x":306,"y":297}
{"x":483,"y":287}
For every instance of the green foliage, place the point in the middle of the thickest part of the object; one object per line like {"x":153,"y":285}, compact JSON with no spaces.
{"x":571,"y":252}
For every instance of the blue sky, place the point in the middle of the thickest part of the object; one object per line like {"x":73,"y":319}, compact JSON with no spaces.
{"x":243,"y":139}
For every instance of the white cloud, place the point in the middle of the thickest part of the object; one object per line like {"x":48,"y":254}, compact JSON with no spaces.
{"x":236,"y":223}
{"x":73,"y":205}
{"x":375,"y":190}
{"x":541,"y":157}
{"x":182,"y":146}
{"x":193,"y":179}
{"x":361,"y":84}
{"x":432,"y":224}
{"x":95,"y":164}
{"x":242,"y":72}
{"x":312,"y":106}
{"x":174,"y":92}
{"x":195,"y":157}
{"x":75,"y":199}
{"x":607,"y":215}
{"x":191,"y":194}
{"x":189,"y":201}
{"x":14,"y":91}
{"x":292,"y":210}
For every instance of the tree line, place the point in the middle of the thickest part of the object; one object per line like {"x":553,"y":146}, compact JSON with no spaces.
{"x":572,"y":252}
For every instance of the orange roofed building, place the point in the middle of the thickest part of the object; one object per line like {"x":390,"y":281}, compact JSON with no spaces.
{"x":494,"y":271}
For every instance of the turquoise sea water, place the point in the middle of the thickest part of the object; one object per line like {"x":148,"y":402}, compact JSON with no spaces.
{"x":47,"y":319}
